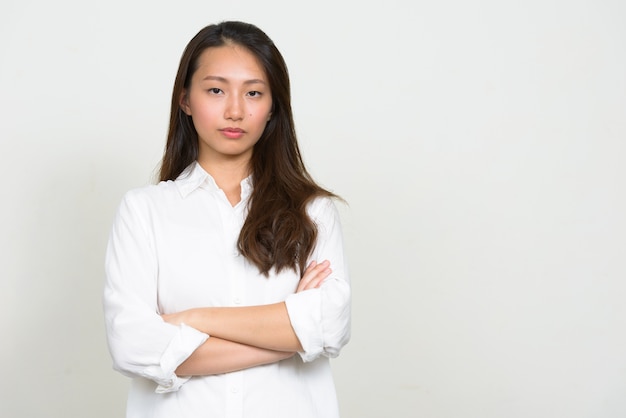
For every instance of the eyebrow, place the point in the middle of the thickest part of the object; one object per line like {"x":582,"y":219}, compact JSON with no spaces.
{"x":224,"y":80}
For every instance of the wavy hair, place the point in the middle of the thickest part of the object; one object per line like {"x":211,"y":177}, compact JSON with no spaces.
{"x":277,"y":233}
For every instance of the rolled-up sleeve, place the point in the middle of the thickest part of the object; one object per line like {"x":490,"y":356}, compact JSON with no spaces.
{"x":321,"y":317}
{"x":140,"y":342}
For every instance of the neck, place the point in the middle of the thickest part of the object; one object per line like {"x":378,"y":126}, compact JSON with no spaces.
{"x":228,"y":176}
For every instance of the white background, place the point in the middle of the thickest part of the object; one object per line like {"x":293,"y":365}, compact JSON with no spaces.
{"x":481,"y":146}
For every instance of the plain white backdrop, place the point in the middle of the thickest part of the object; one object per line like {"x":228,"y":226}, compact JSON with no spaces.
{"x":481,"y":147}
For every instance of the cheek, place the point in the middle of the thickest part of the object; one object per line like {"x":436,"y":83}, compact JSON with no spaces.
{"x":204,"y":114}
{"x":261,"y":120}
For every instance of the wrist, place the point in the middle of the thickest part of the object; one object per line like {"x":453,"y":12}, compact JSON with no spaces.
{"x":198,"y":319}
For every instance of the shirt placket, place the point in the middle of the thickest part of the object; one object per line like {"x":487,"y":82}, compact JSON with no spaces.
{"x":232,"y":222}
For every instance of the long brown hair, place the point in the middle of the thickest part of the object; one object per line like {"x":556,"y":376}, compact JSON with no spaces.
{"x":277,"y":233}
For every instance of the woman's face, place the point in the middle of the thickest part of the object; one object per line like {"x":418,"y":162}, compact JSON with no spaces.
{"x":230,"y":102}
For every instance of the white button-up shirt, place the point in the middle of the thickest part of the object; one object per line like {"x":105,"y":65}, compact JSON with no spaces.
{"x":173,"y":247}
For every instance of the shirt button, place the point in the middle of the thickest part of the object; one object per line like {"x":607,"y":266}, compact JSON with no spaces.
{"x":237,"y":301}
{"x":234,"y":390}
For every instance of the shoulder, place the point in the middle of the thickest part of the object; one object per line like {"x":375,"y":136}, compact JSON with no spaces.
{"x":153,"y":195}
{"x":323,"y":208}
{"x":152,"y":191}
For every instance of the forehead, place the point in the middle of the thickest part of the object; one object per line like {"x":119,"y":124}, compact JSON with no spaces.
{"x":231,"y":62}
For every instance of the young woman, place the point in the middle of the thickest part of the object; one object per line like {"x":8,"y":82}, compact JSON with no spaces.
{"x":219,"y":299}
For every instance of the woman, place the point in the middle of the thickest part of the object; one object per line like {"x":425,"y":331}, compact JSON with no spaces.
{"x":220,"y":300}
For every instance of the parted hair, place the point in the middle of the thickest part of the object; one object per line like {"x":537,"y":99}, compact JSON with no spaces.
{"x":277,"y":233}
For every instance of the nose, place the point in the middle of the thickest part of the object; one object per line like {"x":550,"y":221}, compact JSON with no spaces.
{"x":234,"y":108}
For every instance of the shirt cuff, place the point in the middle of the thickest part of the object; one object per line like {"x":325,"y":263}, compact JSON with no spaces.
{"x":305,"y":314}
{"x":184,"y":343}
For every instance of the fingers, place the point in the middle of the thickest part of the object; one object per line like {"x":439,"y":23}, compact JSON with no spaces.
{"x":314,"y":275}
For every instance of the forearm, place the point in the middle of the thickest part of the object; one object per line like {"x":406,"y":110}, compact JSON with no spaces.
{"x":265,"y":326}
{"x":218,"y":356}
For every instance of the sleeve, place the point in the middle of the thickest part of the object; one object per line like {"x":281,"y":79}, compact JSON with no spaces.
{"x":140,"y":342}
{"x":321,"y":317}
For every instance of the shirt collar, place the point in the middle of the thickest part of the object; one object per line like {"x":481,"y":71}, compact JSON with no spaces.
{"x":195,"y":177}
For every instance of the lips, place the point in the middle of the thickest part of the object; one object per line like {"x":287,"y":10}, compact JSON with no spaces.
{"x":232,"y":133}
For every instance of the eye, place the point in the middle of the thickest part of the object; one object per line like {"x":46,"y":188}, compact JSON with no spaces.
{"x":214,"y":90}
{"x":254,"y":93}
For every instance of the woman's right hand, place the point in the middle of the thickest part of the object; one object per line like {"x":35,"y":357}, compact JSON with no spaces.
{"x":314,"y":275}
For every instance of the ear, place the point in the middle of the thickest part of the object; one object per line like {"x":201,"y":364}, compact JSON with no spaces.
{"x":184,"y":102}
{"x":269,"y":117}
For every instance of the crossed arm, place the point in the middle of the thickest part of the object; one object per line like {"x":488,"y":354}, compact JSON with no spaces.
{"x":244,"y":337}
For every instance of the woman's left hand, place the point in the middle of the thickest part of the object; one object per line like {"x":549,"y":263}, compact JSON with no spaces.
{"x":183,"y":317}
